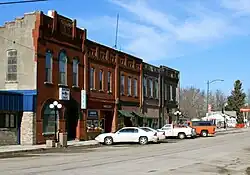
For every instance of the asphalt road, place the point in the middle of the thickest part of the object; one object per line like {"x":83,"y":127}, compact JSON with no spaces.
{"x":224,"y":154}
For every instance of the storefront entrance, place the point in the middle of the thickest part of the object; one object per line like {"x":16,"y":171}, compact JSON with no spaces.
{"x":107,"y":119}
{"x":71,"y":116}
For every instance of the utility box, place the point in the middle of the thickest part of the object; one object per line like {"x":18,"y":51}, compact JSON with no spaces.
{"x":63,"y":139}
{"x":50,"y":143}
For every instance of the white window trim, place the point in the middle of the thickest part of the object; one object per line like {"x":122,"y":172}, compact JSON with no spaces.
{"x":7,"y":71}
{"x":145,"y":84}
{"x":65,"y":68}
{"x":171,"y":92}
{"x":109,"y":81}
{"x":101,"y":79}
{"x":129,"y":86}
{"x":135,"y":87}
{"x":92,"y":78}
{"x":122,"y":84}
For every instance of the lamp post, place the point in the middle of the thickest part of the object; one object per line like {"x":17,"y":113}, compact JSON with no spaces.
{"x":177,"y":114}
{"x":224,"y":115}
{"x":56,"y":106}
{"x":208,"y":86}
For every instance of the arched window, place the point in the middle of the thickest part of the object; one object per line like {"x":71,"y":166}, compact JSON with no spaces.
{"x":48,"y":116}
{"x":48,"y":67}
{"x":62,"y":68}
{"x":75,"y":71}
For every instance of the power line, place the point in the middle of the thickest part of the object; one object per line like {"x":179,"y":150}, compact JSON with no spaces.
{"x":21,"y":2}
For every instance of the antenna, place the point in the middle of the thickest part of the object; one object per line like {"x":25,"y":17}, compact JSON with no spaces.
{"x":116,"y":32}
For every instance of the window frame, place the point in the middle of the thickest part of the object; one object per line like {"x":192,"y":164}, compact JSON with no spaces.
{"x":156,"y":89}
{"x":170,"y":92}
{"x":109,"y":81}
{"x":92,"y":78}
{"x":129,"y":86}
{"x":145,"y":87}
{"x":48,"y":119}
{"x":135,"y":85}
{"x":122,"y":85}
{"x":11,"y":122}
{"x":13,"y":59}
{"x":101,"y":80}
{"x":63,"y":63}
{"x":75,"y":72}
{"x":48,"y":68}
{"x":151,"y":88}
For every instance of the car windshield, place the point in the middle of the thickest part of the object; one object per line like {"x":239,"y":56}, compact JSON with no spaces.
{"x":146,"y":129}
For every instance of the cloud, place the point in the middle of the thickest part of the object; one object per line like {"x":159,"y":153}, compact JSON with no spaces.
{"x":153,"y":33}
{"x":239,"y":7}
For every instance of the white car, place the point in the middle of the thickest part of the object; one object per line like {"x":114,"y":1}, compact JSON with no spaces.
{"x":160,"y":134}
{"x":127,"y":134}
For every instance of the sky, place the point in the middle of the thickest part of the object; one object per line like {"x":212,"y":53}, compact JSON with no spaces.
{"x":204,"y":40}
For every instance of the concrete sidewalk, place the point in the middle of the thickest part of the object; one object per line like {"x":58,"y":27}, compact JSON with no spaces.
{"x":12,"y":149}
{"x":231,"y":129}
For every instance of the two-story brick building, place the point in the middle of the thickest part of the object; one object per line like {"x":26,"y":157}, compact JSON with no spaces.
{"x":170,"y":87}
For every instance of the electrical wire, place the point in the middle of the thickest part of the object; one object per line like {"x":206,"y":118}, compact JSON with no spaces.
{"x":21,"y":2}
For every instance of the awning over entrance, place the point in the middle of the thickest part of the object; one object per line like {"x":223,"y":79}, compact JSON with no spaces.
{"x":138,"y":114}
{"x":125,"y":113}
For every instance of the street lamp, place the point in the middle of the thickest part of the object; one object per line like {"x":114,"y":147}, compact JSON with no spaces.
{"x":224,"y":115}
{"x":177,"y":113}
{"x":208,"y":84}
{"x":56,"y":106}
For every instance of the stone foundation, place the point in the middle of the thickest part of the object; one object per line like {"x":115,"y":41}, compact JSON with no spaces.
{"x":8,"y":136}
{"x":28,"y":128}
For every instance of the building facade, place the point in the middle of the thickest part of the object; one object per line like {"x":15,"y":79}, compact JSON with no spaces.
{"x":100,"y":88}
{"x":18,"y":75}
{"x":151,"y":96}
{"x":170,"y":88}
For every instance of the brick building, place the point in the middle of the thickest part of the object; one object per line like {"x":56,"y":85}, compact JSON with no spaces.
{"x":56,"y":62}
{"x":170,"y":88}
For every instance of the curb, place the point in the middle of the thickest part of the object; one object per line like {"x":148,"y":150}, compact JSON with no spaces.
{"x":9,"y":154}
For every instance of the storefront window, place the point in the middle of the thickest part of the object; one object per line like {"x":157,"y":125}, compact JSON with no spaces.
{"x":48,"y":119}
{"x":7,"y":120}
{"x":94,"y":125}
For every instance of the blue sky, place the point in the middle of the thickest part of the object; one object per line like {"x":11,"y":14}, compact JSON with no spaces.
{"x":205,"y":40}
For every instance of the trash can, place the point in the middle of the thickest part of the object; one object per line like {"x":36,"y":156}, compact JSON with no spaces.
{"x":63,"y":139}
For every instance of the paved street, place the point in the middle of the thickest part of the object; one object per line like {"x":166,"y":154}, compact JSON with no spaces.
{"x":224,"y":154}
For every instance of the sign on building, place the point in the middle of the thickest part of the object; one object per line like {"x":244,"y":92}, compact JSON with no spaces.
{"x":64,"y":93}
{"x":83,"y":99}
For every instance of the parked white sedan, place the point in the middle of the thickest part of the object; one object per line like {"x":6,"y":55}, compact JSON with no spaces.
{"x":160,"y":134}
{"x":128,"y":134}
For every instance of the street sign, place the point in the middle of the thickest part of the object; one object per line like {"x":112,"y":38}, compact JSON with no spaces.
{"x":83,"y":99}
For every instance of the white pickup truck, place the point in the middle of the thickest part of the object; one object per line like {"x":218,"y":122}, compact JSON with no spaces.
{"x":180,"y":132}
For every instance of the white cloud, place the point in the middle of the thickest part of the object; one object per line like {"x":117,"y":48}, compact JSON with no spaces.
{"x":154,"y":34}
{"x":240,"y":7}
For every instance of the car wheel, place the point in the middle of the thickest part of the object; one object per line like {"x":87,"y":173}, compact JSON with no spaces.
{"x":181,"y":136}
{"x":204,"y":134}
{"x":143,"y":140}
{"x":108,"y":140}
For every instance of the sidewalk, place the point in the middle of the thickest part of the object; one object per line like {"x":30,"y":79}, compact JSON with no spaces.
{"x":12,"y":149}
{"x":231,"y":129}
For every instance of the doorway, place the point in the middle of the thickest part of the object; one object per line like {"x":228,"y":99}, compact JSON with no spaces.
{"x":108,"y":119}
{"x":71,"y":116}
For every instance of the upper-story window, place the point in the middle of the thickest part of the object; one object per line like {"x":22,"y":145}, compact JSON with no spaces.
{"x":156,"y":91}
{"x":48,"y":66}
{"x":150,"y":87}
{"x":129,"y":86}
{"x":92,"y":78}
{"x":135,"y":87}
{"x":109,"y":82}
{"x":62,"y":68}
{"x":101,"y":80}
{"x":122,"y":87}
{"x":145,"y":89}
{"x":177,"y":94}
{"x":11,"y":74}
{"x":165,"y":91}
{"x":75,"y":72}
{"x":171,"y":92}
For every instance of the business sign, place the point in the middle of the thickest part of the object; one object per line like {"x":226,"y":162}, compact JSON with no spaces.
{"x":92,"y":114}
{"x":64,"y":93}
{"x":83,"y":99}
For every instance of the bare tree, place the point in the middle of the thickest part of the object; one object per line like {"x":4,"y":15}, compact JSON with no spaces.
{"x":192,"y":102}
